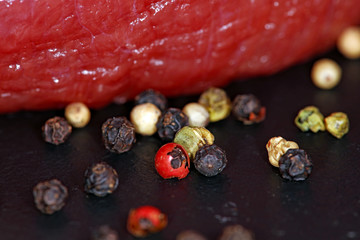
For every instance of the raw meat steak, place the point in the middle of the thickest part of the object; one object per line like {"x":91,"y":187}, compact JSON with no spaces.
{"x":94,"y":51}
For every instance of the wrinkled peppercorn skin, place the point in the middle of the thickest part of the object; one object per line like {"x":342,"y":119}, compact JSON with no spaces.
{"x":50,"y":196}
{"x":217,"y":102}
{"x":118,"y":134}
{"x":295,"y":165}
{"x":56,"y":130}
{"x":152,"y":96}
{"x":101,"y":179}
{"x":247,"y":109}
{"x":171,"y":121}
{"x":146,"y":220}
{"x":236,"y":232}
{"x":310,"y":118}
{"x":276,"y":147}
{"x":192,"y":138}
{"x":210,"y":160}
{"x":337,"y":124}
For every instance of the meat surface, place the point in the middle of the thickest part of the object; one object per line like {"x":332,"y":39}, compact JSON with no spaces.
{"x":97,"y":51}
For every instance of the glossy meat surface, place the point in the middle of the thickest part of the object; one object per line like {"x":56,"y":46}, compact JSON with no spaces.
{"x":56,"y":52}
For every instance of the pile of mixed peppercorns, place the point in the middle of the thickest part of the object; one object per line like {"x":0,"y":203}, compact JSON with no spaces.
{"x":186,"y":142}
{"x":183,"y":130}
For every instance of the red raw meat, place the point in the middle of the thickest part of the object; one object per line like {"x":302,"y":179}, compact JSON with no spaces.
{"x":56,"y":52}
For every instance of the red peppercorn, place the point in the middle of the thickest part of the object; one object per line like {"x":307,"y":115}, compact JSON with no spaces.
{"x":172,"y":161}
{"x":145,"y":220}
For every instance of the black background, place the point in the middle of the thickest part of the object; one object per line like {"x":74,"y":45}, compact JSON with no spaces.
{"x":249,"y":191}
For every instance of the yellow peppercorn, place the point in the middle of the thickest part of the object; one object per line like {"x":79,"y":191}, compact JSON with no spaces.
{"x":325,"y":73}
{"x":337,"y":124}
{"x":276,"y":147}
{"x":349,"y":42}
{"x":216,"y":101}
{"x":77,"y":114}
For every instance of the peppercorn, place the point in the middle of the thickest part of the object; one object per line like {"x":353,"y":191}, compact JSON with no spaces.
{"x":190,"y":235}
{"x":77,"y":114}
{"x":171,"y":121}
{"x":50,"y":196}
{"x":218,"y":104}
{"x":56,"y":130}
{"x":276,"y":147}
{"x":247,"y":109}
{"x":197,"y":114}
{"x":310,"y":118}
{"x":325,"y":73}
{"x":210,"y":160}
{"x":349,"y":42}
{"x":171,"y":161}
{"x":146,"y":220}
{"x":144,"y":117}
{"x":104,"y":232}
{"x":192,"y":138}
{"x":236,"y":232}
{"x":295,"y":164}
{"x":337,"y":124}
{"x":101,"y":179}
{"x":118,"y":134}
{"x":152,"y":96}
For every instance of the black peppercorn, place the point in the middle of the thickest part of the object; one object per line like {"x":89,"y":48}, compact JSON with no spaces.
{"x":105,"y":233}
{"x":101,"y":179}
{"x":171,"y":121}
{"x":295,"y":164}
{"x":210,"y":160}
{"x":236,"y":232}
{"x":118,"y":134}
{"x":56,"y":130}
{"x":152,"y":96}
{"x":190,"y":235}
{"x":50,"y":196}
{"x":247,"y":108}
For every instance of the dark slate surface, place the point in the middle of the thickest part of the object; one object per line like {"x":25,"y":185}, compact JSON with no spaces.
{"x":249,"y":191}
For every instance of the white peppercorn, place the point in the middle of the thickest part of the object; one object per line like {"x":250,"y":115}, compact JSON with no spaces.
{"x":348,"y":42}
{"x":325,"y":73}
{"x":77,"y":114}
{"x":197,"y":114}
{"x":144,"y":117}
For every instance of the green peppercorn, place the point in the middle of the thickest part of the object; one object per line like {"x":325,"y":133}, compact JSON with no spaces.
{"x":310,"y":118}
{"x":216,"y":101}
{"x":337,"y":124}
{"x":192,"y":138}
